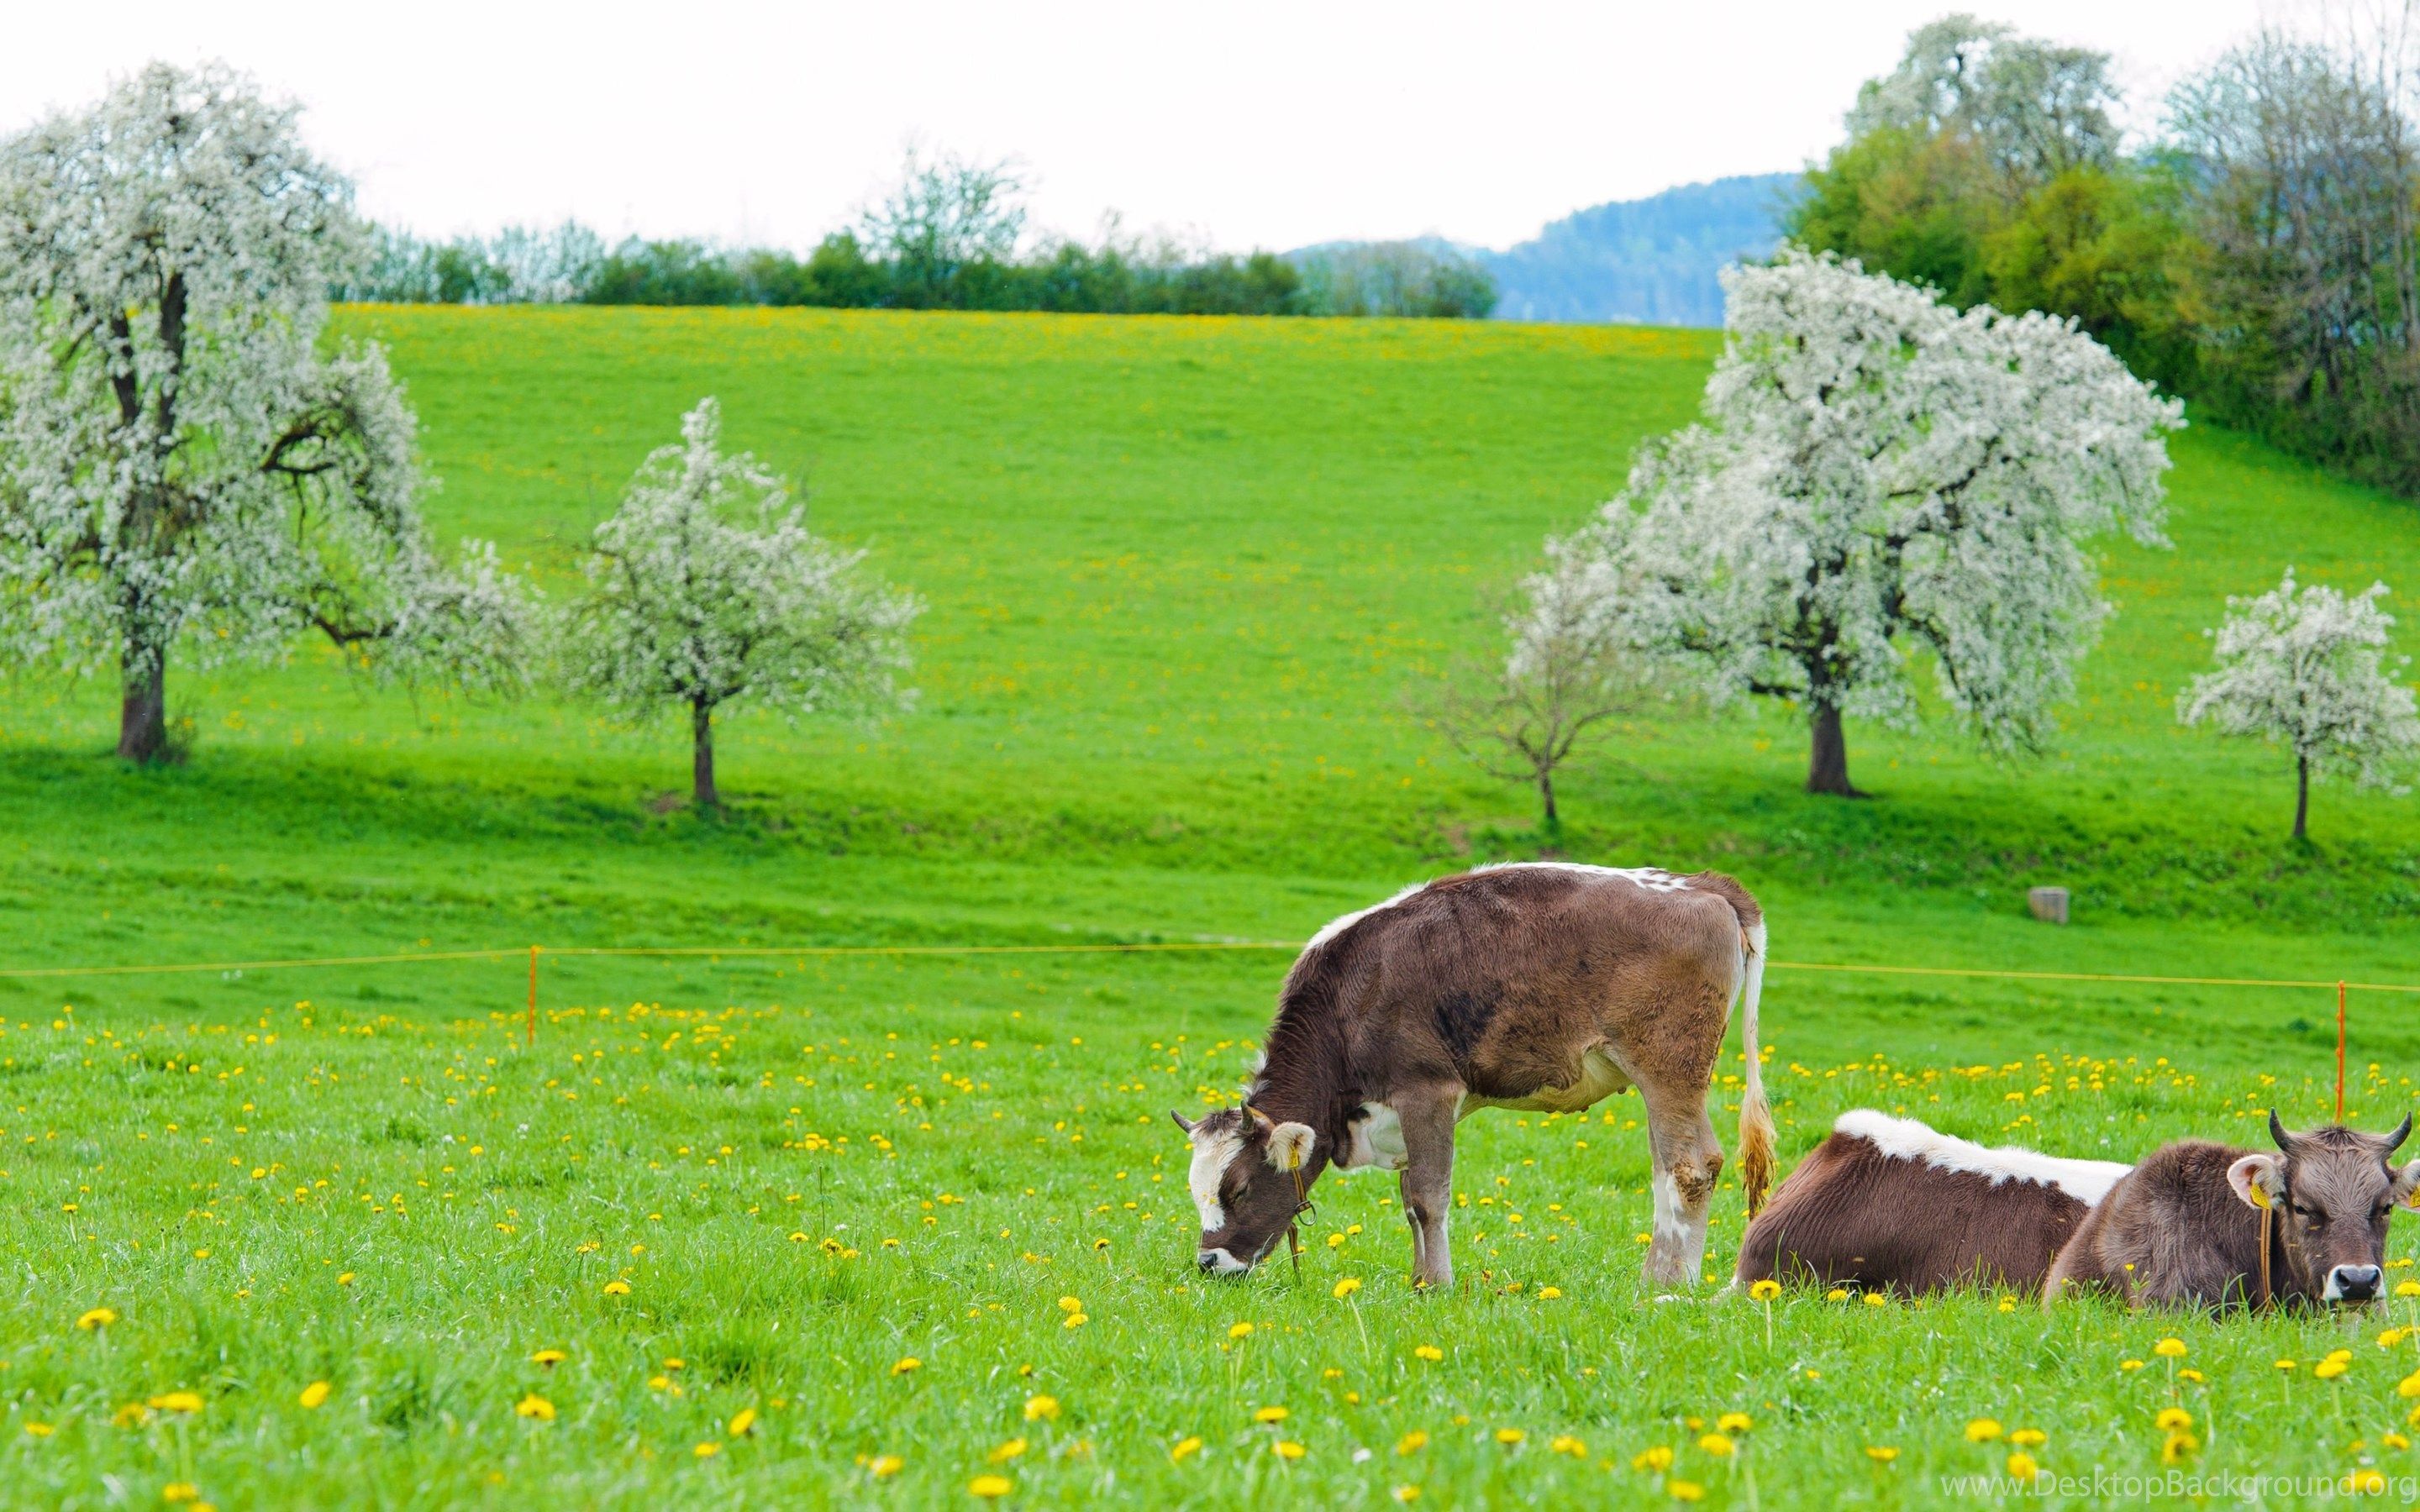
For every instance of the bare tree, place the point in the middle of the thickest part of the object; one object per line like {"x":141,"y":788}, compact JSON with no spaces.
{"x":1564,"y":680}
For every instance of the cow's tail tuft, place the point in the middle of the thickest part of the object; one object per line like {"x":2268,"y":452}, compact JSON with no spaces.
{"x":1755,"y":1115}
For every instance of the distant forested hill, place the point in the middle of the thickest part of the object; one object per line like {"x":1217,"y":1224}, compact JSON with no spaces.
{"x":1651,"y":261}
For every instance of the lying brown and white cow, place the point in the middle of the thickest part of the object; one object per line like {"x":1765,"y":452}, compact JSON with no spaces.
{"x":1535,"y":986}
{"x":2185,"y":1226}
{"x":1890,"y":1204}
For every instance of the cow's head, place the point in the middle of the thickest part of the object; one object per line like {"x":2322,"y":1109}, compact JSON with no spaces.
{"x":2332,"y":1190}
{"x":1246,"y":1170}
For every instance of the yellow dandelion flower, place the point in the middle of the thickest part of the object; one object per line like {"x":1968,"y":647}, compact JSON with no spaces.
{"x":2030,"y":1438}
{"x":2173,"y":1419}
{"x":1345,"y":1288}
{"x":1069,"y":1304}
{"x":1429,"y":1352}
{"x":2169,"y":1349}
{"x":2394,"y":1440}
{"x":133,"y":1415}
{"x":1880,"y":1453}
{"x":1765,"y":1291}
{"x":1510,"y":1436}
{"x":1875,"y":1298}
{"x":741,"y":1421}
{"x":2363,"y":1483}
{"x":1549,"y":1293}
{"x":1005,"y":1452}
{"x":1734,"y":1422}
{"x":38,"y":1430}
{"x":885,"y":1466}
{"x":2407,"y":1288}
{"x":990,"y":1486}
{"x":313,"y":1393}
{"x":534,"y":1406}
{"x":1038,"y":1408}
{"x":2409,"y":1386}
{"x":1185,"y":1448}
{"x":1407,"y":1493}
{"x":1717,"y":1444}
{"x":1239,"y":1331}
{"x":617,"y":1288}
{"x":1412,"y":1442}
{"x":707,"y":1450}
{"x":1684,"y":1491}
{"x":1982,"y":1430}
{"x":98,"y":1317}
{"x":2129,"y":1365}
{"x":1075,"y":1321}
{"x":345,"y":1279}
{"x":180,"y":1490}
{"x":2289,"y":1364}
{"x":2328,"y":1369}
{"x":178,"y":1401}
{"x":2022,"y":1466}
{"x":549,"y":1357}
{"x":1836,"y":1294}
{"x":1566,"y":1444}
{"x":1287,"y":1449}
{"x":2177,"y":1448}
{"x":1652,"y":1461}
{"x":908,"y":1365}
{"x":1270,"y":1414}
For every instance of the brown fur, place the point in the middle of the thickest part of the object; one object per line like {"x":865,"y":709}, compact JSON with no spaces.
{"x":2175,"y":1232}
{"x":1850,"y":1215}
{"x":1493,"y":986}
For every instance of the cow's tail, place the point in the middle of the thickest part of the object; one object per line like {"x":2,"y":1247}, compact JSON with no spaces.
{"x":1755,"y":1115}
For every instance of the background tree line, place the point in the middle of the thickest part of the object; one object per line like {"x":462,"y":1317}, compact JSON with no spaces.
{"x":2256,"y":256}
{"x":950,"y":236}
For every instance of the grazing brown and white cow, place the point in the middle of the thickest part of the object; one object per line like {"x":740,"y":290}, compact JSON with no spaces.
{"x":1535,"y":986}
{"x":1889,"y":1204}
{"x":2186,"y":1227}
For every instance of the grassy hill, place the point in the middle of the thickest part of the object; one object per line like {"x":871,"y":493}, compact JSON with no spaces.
{"x":1182,"y":575}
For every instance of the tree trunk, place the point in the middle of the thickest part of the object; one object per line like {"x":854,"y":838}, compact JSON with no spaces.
{"x":1827,"y":757}
{"x":700,"y":724}
{"x":1546,"y":797}
{"x":142,"y":713}
{"x":2302,"y":794}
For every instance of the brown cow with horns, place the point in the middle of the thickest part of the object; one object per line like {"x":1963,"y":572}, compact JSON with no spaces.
{"x":1536,"y":985}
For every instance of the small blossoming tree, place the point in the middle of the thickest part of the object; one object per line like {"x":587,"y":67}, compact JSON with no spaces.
{"x":1878,"y":474}
{"x":180,"y":465}
{"x":707,"y":587}
{"x":2304,"y":666}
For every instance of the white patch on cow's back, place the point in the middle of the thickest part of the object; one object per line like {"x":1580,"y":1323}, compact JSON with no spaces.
{"x":1652,"y":878}
{"x":1339,"y":925}
{"x":2086,"y":1180}
{"x":1375,"y":1138}
{"x":1211,"y":1158}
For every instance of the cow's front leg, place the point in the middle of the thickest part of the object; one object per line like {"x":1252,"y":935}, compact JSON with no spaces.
{"x":1427,"y":1182}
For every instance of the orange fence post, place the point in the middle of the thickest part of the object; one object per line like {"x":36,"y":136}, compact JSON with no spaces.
{"x":533,"y":1012}
{"x":2340,"y":1039}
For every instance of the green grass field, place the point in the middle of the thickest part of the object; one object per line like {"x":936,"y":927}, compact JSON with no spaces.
{"x":1183,"y":576}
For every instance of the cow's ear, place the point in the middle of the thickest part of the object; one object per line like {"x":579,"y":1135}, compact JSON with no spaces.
{"x":2407,"y":1182}
{"x":1290,"y":1145}
{"x":2255,"y":1179}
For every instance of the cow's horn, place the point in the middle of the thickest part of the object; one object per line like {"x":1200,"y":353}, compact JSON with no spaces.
{"x":1188,"y":1128}
{"x":2277,"y":1131}
{"x":2402,"y":1132}
{"x":1260,"y":1118}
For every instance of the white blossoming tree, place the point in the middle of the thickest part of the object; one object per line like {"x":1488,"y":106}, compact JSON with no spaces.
{"x":2306,"y":667}
{"x":181,"y":469}
{"x":705,"y":588}
{"x":1876,"y":473}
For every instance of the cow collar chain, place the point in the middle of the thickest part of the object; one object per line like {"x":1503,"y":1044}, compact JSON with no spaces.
{"x":1302,"y":1207}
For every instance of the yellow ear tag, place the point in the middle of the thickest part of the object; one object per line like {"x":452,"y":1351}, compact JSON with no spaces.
{"x":2260,"y":1197}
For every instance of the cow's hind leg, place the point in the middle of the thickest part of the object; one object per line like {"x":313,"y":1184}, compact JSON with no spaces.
{"x":1427,"y":1182}
{"x":1687,"y":1160}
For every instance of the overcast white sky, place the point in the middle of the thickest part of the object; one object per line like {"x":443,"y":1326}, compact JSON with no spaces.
{"x":1245,"y":123}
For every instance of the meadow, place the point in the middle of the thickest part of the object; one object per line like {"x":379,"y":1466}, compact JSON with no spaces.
{"x":1186,"y":579}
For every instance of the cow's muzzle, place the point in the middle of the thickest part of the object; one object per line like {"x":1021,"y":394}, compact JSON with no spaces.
{"x":2352,"y":1283}
{"x":1218,"y":1262}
